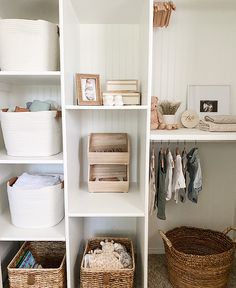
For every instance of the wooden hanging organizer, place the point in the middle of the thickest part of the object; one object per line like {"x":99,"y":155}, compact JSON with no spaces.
{"x":108,"y":162}
{"x":162,"y":13}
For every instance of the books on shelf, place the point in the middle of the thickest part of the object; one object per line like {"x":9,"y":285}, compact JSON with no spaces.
{"x":122,"y":86}
{"x":26,"y":261}
{"x":127,"y":89}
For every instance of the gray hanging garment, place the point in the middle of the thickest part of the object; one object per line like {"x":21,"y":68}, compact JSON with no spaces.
{"x":195,"y":175}
{"x":161,"y":191}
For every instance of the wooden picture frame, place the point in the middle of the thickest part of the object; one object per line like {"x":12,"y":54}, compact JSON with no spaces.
{"x":88,"y":89}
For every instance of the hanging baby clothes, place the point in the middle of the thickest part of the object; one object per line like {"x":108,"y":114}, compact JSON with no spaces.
{"x":182,"y":191}
{"x":195,"y":175}
{"x":161,"y":195}
{"x":178,"y":178}
{"x":152,"y":183}
{"x":169,"y":175}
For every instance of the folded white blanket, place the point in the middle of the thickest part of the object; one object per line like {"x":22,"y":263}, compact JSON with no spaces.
{"x":221,"y":119}
{"x":213,"y":127}
{"x":30,"y":182}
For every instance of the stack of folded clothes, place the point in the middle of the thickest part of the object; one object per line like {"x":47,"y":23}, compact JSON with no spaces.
{"x":218,"y":123}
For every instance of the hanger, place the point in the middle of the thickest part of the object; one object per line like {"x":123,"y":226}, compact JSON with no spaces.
{"x":168,"y":15}
{"x":177,"y":149}
{"x":184,"y":151}
{"x":162,"y":13}
{"x":168,"y":147}
{"x":153,"y":157}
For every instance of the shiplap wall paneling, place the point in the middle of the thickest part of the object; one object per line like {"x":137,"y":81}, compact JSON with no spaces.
{"x":197,"y":48}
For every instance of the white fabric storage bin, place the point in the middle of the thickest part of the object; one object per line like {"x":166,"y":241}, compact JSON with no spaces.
{"x":38,"y":208}
{"x":28,"y":45}
{"x":31,"y":133}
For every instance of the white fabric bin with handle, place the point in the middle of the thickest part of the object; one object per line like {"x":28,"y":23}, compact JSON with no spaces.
{"x":36,"y":208}
{"x":28,"y":45}
{"x":31,"y":133}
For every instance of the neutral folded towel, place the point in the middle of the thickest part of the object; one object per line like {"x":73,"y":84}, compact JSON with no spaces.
{"x":221,"y":119}
{"x":30,"y":182}
{"x":213,"y":127}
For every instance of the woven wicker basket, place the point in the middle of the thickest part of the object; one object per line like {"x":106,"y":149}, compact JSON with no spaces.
{"x":123,"y":278}
{"x":198,"y":258}
{"x":51,"y":255}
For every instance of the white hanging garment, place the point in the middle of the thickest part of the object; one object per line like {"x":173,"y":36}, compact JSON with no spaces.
{"x":152,"y":184}
{"x":178,"y":178}
{"x":169,"y":175}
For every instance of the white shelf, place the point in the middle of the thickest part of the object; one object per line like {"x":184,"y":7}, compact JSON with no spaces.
{"x":191,"y":135}
{"x":5,"y":159}
{"x":9,"y":232}
{"x":128,"y":107}
{"x":30,"y":78}
{"x":85,"y":204}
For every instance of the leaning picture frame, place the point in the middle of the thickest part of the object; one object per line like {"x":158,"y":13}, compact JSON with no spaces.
{"x":88,"y":89}
{"x":209,"y":99}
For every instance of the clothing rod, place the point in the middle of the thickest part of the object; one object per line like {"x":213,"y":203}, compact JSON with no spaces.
{"x":178,"y":141}
{"x":193,"y":141}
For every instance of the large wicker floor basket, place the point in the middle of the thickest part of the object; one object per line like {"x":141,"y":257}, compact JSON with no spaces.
{"x":198,"y":258}
{"x":51,"y":255}
{"x":123,"y":278}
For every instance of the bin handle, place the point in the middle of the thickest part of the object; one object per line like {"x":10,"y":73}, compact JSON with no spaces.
{"x":164,"y":237}
{"x":31,"y":279}
{"x":228,"y":230}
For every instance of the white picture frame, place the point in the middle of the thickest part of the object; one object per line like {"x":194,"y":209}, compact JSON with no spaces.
{"x":209,"y":99}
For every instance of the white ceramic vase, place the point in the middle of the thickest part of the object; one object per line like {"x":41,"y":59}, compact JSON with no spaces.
{"x":169,"y":119}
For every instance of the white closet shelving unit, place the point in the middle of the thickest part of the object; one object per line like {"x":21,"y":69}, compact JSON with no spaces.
{"x":17,"y":88}
{"x":114,"y":39}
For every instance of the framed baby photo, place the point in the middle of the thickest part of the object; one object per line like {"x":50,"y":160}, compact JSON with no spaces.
{"x":88,"y":89}
{"x":209,"y":99}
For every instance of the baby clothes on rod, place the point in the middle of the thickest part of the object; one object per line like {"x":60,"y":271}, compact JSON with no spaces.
{"x":168,"y":176}
{"x":152,"y":183}
{"x":183,"y":191}
{"x":178,"y":178}
{"x":161,"y":191}
{"x":195,"y":175}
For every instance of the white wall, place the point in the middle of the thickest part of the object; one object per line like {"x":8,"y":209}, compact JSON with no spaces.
{"x":197,"y":48}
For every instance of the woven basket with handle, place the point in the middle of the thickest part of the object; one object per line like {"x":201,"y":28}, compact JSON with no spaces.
{"x":198,"y":258}
{"x":51,"y":255}
{"x":123,"y":278}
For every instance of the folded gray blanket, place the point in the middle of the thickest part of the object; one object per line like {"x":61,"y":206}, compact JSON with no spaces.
{"x":215,"y":127}
{"x":221,"y":119}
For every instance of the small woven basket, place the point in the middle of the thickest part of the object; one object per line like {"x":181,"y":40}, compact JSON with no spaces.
{"x":198,"y":258}
{"x":123,"y":278}
{"x":51,"y":255}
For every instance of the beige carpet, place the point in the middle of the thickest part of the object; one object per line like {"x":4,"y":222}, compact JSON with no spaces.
{"x":157,"y":273}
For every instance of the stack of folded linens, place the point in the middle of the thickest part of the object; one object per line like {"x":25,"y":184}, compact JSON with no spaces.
{"x":218,"y":123}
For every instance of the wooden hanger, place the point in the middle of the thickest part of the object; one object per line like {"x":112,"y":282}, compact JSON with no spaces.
{"x":162,"y":13}
{"x":177,"y":152}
